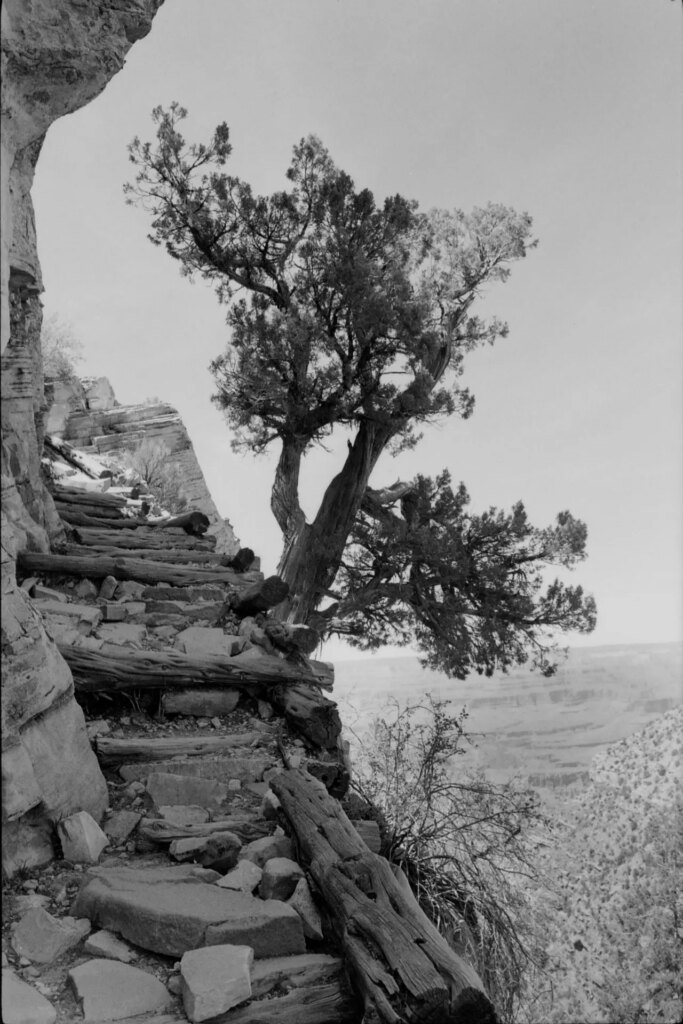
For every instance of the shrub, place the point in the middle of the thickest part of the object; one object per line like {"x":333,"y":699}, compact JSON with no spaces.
{"x":149,"y":460}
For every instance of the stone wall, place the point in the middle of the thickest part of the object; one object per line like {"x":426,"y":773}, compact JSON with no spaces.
{"x":56,"y":56}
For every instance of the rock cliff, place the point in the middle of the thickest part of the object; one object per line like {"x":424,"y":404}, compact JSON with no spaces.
{"x":86,"y":414}
{"x":56,"y":56}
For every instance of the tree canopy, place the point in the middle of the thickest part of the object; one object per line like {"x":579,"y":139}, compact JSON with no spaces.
{"x":353,"y":314}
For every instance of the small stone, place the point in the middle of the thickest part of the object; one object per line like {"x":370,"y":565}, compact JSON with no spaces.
{"x":82,"y":838}
{"x":106,"y":944}
{"x":30,"y":885}
{"x":234,"y":785}
{"x":86,"y":589}
{"x":301,"y":900}
{"x":97,"y":727}
{"x":214,"y":979}
{"x":108,"y":588}
{"x":270,"y":806}
{"x":243,"y":878}
{"x":40,"y":937}
{"x":134,"y":608}
{"x":280,"y":878}
{"x":120,"y":826}
{"x":21,"y":1004}
{"x":260,"y":851}
{"x":174,"y":985}
{"x":216,"y":723}
{"x":110,"y":991}
{"x":130,"y":589}
{"x":202,"y":723}
{"x":265,"y":710}
{"x":218,"y":851}
{"x":135,"y":789}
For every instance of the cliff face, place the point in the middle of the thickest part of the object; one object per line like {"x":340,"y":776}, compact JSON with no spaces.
{"x":56,"y":56}
{"x":87,"y":415}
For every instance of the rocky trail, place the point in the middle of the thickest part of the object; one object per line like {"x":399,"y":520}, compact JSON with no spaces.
{"x":204,"y":896}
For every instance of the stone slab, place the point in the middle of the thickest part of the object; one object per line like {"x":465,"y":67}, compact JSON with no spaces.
{"x":21,"y":1004}
{"x":205,"y":641}
{"x":184,"y":814}
{"x":214,"y":979}
{"x":243,"y":878}
{"x":105,"y":944}
{"x":167,"y":911}
{"x":42,"y":938}
{"x":170,"y":788}
{"x":120,"y":825}
{"x":247,"y":769}
{"x":200,"y":702}
{"x":110,"y":990}
{"x":122,"y":633}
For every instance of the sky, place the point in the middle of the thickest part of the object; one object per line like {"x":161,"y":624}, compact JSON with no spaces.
{"x":570,"y":111}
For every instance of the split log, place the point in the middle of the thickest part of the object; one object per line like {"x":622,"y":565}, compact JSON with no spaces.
{"x":329,"y":1003}
{"x":142,"y":538}
{"x":91,"y":467}
{"x":159,"y":748}
{"x":404,"y":969}
{"x":195,"y":522}
{"x":103,"y":511}
{"x":72,"y":496}
{"x":94,"y":565}
{"x":170,"y":556}
{"x":261,"y":596}
{"x":157,"y":831}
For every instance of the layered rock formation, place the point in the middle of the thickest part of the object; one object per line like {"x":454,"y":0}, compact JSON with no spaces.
{"x":55,"y":58}
{"x":86,"y":414}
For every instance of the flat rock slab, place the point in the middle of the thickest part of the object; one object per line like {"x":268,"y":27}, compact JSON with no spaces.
{"x":21,"y":1004}
{"x":214,"y":979}
{"x":169,"y":788}
{"x":122,"y":633}
{"x":208,"y":641}
{"x":113,"y":991}
{"x":184,"y":814}
{"x":105,"y":944}
{"x":205,"y":701}
{"x":167,"y":911}
{"x":228,"y":766}
{"x":120,"y":825}
{"x":42,"y":937}
{"x":243,"y":878}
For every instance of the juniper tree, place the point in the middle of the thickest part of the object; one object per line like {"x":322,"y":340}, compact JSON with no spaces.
{"x":347,"y":314}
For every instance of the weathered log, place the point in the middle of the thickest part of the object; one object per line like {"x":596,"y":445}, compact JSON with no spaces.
{"x":77,"y":518}
{"x":242,"y":560}
{"x":72,"y":496}
{"x":157,"y":831}
{"x":292,"y":637}
{"x":72,"y":455}
{"x":328,"y":1003}
{"x":404,"y":969}
{"x":194,"y":522}
{"x":171,"y":556}
{"x":95,"y":672}
{"x":261,"y":596}
{"x":142,"y":538}
{"x":310,"y":712}
{"x":159,"y":748}
{"x":103,"y":511}
{"x":95,"y":565}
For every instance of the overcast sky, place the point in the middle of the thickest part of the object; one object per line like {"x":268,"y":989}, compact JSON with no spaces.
{"x":568,"y":110}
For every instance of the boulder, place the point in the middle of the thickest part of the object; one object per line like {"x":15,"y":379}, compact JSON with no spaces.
{"x":82,"y":838}
{"x":21,"y":1004}
{"x":168,"y":911}
{"x":243,"y":878}
{"x":280,"y":878}
{"x":214,"y":979}
{"x":301,"y":900}
{"x":110,"y":991}
{"x":260,"y":851}
{"x":42,"y":938}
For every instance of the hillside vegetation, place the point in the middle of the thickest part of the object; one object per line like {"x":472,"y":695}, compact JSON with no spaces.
{"x":613,"y":912}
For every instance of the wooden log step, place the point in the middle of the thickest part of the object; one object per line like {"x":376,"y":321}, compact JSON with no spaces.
{"x":404,"y":970}
{"x":74,"y":517}
{"x":309,"y":712}
{"x":160,"y":831}
{"x":194,"y":522}
{"x":144,"y":537}
{"x":329,"y":1003}
{"x":95,"y":672}
{"x":72,"y":496}
{"x":94,"y":565}
{"x":261,"y":596}
{"x":103,"y":511}
{"x":169,"y":556}
{"x":91,"y":467}
{"x":159,"y":748}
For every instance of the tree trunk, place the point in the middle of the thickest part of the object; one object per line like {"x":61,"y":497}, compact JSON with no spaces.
{"x":313,"y":552}
{"x":404,"y":969}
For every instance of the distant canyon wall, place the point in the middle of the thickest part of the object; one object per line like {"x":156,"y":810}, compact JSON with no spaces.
{"x":57,"y":55}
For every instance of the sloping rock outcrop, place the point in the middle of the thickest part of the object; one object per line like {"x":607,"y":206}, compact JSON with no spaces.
{"x":87,"y":414}
{"x":55,"y":58}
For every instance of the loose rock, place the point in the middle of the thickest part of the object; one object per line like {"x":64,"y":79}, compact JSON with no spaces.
{"x":301,"y":900}
{"x":243,"y":878}
{"x":214,"y":979}
{"x":280,"y":878}
{"x":21,"y":1004}
{"x":82,"y":838}
{"x":166,"y":788}
{"x":40,"y":937}
{"x":113,"y":991}
{"x":260,"y":851}
{"x":105,"y":944}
